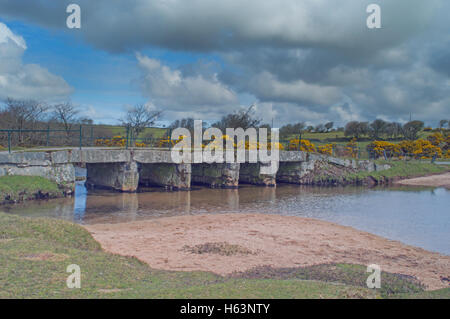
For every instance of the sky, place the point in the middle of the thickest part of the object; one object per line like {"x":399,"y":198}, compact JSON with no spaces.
{"x":309,"y":61}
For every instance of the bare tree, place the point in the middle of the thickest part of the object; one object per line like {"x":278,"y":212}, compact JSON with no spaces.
{"x":356,"y":129}
{"x":186,"y":123}
{"x":66,"y":114}
{"x":394,"y":130}
{"x":376,"y":128}
{"x":23,"y":114}
{"x":412,"y":129}
{"x":292,"y":129}
{"x":240,"y":119}
{"x":139,"y":117}
{"x":320,"y":128}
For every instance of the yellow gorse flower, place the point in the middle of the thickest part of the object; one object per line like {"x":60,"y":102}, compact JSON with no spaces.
{"x":326,"y":149}
{"x":303,"y":145}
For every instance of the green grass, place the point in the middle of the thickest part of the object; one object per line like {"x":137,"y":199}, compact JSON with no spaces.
{"x":345,"y":274}
{"x":18,"y":188}
{"x":401,"y":169}
{"x":435,"y":294}
{"x":156,"y":132}
{"x":35,"y":252}
{"x":339,"y":135}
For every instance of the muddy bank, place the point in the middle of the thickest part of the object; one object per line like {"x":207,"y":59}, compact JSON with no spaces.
{"x":441,"y":180}
{"x":227,"y":243}
{"x":39,"y":195}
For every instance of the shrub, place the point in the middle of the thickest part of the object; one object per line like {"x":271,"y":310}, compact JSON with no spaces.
{"x":436,"y":138}
{"x":351,"y":148}
{"x":303,"y":145}
{"x":379,"y":148}
{"x":325,"y":149}
{"x":116,"y":141}
{"x":424,"y":149}
{"x":140,"y":144}
{"x":273,"y":145}
{"x":420,"y":149}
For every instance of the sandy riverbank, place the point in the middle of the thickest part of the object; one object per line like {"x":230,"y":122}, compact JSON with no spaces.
{"x":274,"y":240}
{"x":441,"y":180}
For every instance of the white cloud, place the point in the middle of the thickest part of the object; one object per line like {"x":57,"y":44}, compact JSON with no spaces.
{"x":170,"y":89}
{"x":345,"y":113}
{"x":27,"y":81}
{"x":7,"y":35}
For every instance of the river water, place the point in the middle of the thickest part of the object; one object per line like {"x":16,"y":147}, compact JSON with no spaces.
{"x":412,"y":215}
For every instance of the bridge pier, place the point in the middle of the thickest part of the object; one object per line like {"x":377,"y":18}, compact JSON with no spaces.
{"x":122,"y":176}
{"x":294,"y":172}
{"x":123,"y":170}
{"x":170,"y":176}
{"x":250,"y":173}
{"x":217,"y":175}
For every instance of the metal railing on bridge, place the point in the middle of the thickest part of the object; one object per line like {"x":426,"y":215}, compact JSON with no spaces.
{"x":80,"y":136}
{"x":96,"y":136}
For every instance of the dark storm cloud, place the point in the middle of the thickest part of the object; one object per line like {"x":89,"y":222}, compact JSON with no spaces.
{"x":226,"y":25}
{"x":440,"y":59}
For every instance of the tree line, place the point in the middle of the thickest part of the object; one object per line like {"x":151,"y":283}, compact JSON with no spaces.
{"x":22,"y":115}
{"x":378,"y":129}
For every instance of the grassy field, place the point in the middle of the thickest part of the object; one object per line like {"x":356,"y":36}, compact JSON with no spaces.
{"x":336,"y":135}
{"x":35,"y":252}
{"x":120,"y":130}
{"x":18,"y":188}
{"x":402,"y":169}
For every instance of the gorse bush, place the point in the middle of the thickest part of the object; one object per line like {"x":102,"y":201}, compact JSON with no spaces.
{"x":326,"y":149}
{"x":302,"y":145}
{"x":116,"y":141}
{"x":379,"y":148}
{"x":419,"y":149}
{"x":351,"y":148}
{"x":437,"y":138}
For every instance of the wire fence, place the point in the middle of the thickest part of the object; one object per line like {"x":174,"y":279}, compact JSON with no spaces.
{"x":80,"y":136}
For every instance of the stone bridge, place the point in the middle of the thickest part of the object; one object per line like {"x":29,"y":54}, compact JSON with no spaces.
{"x":125,"y":170}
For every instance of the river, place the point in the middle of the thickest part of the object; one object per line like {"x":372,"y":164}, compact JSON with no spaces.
{"x":412,"y":215}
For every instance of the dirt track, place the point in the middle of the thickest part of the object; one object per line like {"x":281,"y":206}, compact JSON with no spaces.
{"x":278,"y":241}
{"x":441,"y":180}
